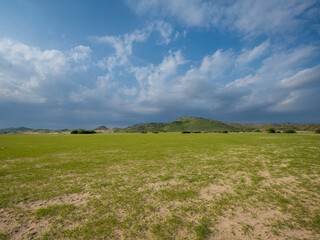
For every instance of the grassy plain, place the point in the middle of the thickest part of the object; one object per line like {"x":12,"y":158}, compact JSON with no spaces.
{"x":160,"y":186}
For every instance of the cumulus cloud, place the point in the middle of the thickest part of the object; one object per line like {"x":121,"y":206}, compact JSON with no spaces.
{"x":24,"y":69}
{"x":165,"y":29}
{"x":123,"y":47}
{"x":80,"y":53}
{"x":123,"y":44}
{"x":210,"y":86}
{"x":100,"y":91}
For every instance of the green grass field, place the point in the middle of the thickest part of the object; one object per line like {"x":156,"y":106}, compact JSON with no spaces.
{"x":160,"y":186}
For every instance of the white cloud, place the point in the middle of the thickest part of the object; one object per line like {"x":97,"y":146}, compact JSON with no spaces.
{"x":156,"y":80}
{"x":248,"y":17}
{"x":80,"y":53}
{"x":305,"y":77}
{"x":123,"y":44}
{"x":43,"y":62}
{"x":299,"y":100}
{"x":165,"y":29}
{"x":191,"y":12}
{"x":249,"y":55}
{"x":266,"y":85}
{"x":123,"y":47}
{"x":242,"y":82}
{"x":266,"y":17}
{"x":24,"y":69}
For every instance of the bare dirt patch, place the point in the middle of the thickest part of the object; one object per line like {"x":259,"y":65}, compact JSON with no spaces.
{"x":257,"y":224}
{"x":21,"y":228}
{"x":76,"y":199}
{"x":212,"y":191}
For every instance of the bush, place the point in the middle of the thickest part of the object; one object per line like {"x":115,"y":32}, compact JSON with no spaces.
{"x":224,"y":131}
{"x":87,"y":131}
{"x":82,"y":131}
{"x":271,"y":130}
{"x":278,"y":131}
{"x":155,"y":132}
{"x":144,"y":132}
{"x":289,"y":131}
{"x":197,"y":132}
{"x":317,"y":131}
{"x":185,"y":132}
{"x":257,"y":130}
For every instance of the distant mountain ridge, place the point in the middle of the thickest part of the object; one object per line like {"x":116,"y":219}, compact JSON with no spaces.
{"x":202,"y":124}
{"x":191,"y":124}
{"x":15,"y":130}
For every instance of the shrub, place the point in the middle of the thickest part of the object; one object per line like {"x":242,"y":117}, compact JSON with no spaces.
{"x":317,"y":131}
{"x":271,"y":130}
{"x":224,"y":131}
{"x":82,"y":131}
{"x":278,"y":131}
{"x":197,"y":132}
{"x":257,"y":130}
{"x":289,"y":131}
{"x":155,"y":132}
{"x":185,"y":132}
{"x":144,"y":132}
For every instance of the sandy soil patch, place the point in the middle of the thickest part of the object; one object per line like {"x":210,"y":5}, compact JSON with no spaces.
{"x":21,"y":228}
{"x":257,"y":224}
{"x":75,"y":199}
{"x":212,"y":191}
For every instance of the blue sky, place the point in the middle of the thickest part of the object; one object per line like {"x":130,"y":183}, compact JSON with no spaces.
{"x":71,"y":64}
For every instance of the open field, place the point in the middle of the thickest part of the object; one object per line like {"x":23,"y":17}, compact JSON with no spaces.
{"x":160,"y":186}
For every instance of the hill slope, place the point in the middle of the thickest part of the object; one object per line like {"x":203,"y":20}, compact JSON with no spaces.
{"x":202,"y":124}
{"x":14,"y":130}
{"x":191,"y":124}
{"x":182,"y":124}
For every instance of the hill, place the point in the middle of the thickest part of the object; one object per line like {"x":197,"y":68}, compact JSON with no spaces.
{"x":14,"y":130}
{"x":182,"y":124}
{"x":201,"y":124}
{"x":192,"y":124}
{"x":281,"y":126}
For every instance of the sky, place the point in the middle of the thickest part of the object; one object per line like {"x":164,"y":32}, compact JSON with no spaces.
{"x":82,"y":64}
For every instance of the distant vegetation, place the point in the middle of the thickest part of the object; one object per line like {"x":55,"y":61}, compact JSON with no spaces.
{"x":271,"y":130}
{"x":289,"y":131}
{"x":82,"y":131}
{"x":14,"y":130}
{"x":197,"y":124}
{"x":188,"y":124}
{"x":185,"y":132}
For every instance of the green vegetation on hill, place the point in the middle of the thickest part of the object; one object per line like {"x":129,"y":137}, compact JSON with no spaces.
{"x":193,"y":124}
{"x":14,"y":130}
{"x":182,"y":124}
{"x":190,"y":124}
